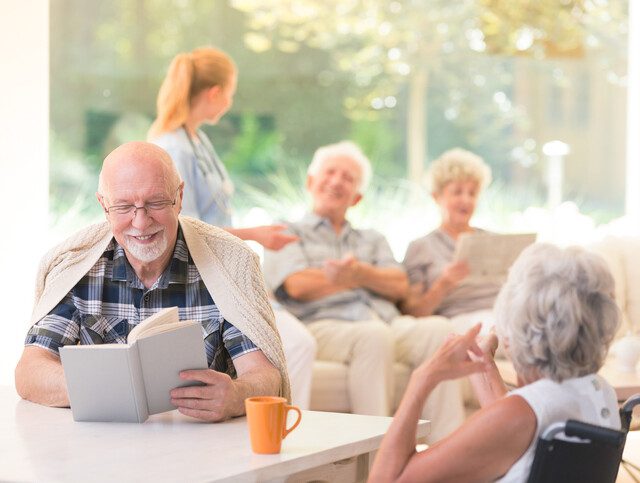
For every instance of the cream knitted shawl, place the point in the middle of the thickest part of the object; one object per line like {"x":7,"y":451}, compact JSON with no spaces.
{"x":228,"y":267}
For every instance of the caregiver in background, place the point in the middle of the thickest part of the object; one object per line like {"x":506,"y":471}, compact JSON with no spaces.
{"x":199,"y":88}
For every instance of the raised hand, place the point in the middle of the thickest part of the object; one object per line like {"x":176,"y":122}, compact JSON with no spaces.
{"x":454,"y":273}
{"x":489,"y":343}
{"x":272,"y":237}
{"x":452,"y":359}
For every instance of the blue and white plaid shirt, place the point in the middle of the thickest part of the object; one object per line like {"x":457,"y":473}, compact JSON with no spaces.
{"x":110,"y":300}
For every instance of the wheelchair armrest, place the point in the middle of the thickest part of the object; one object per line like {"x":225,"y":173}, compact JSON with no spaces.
{"x":627,"y":410}
{"x":611,"y":437}
{"x":573,"y":428}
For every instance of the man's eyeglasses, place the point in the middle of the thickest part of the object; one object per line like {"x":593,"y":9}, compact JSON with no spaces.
{"x":152,"y":205}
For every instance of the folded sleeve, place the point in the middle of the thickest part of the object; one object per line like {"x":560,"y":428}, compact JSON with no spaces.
{"x":236,"y":342}
{"x":59,"y":327}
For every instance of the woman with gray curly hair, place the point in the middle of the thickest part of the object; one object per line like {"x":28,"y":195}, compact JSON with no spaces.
{"x":456,"y":180}
{"x":556,"y":316}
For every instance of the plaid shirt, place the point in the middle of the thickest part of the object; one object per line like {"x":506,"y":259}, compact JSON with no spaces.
{"x":110,"y":300}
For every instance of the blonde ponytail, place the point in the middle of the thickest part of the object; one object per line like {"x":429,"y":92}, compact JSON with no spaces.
{"x":188,"y":75}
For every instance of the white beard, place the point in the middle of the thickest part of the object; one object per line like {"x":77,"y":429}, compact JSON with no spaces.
{"x":146,"y":253}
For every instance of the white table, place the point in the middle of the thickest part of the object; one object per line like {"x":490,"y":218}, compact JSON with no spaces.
{"x":45,"y":444}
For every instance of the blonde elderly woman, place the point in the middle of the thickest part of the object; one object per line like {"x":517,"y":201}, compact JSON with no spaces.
{"x":556,"y":316}
{"x":456,"y":180}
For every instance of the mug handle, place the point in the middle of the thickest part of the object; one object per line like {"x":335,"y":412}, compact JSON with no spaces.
{"x":287,"y":408}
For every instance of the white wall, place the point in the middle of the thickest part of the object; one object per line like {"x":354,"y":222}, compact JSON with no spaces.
{"x":633,"y":115}
{"x":24,"y":144}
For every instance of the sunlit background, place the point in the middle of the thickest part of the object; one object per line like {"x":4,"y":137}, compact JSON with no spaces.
{"x":406,"y":80}
{"x":538,"y":88}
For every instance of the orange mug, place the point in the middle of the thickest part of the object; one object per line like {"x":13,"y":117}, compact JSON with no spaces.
{"x":267,"y":420}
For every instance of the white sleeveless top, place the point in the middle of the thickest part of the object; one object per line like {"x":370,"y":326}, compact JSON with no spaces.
{"x":589,"y":399}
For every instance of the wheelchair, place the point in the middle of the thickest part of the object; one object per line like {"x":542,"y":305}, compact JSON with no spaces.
{"x":594,"y":458}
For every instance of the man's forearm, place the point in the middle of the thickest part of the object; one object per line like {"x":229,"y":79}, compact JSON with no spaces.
{"x":390,"y":283}
{"x":311,"y":284}
{"x":39,"y":378}
{"x":261,"y":382}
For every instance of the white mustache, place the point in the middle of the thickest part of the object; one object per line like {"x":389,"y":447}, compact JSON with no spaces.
{"x":150,"y":232}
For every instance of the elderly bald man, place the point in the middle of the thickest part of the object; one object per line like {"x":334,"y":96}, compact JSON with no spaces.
{"x":101,"y":282}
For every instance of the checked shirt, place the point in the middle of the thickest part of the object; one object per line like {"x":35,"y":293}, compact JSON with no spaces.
{"x":110,"y":300}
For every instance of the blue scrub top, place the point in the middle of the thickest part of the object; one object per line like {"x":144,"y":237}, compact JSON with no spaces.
{"x":208,"y":188}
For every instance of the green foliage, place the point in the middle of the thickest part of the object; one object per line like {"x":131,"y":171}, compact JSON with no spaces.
{"x":73,"y":183}
{"x":380,"y":141}
{"x":549,"y":28}
{"x":252,"y":150}
{"x":330,"y":70}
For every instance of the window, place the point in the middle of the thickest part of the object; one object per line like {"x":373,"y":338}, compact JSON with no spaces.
{"x":308,"y":84}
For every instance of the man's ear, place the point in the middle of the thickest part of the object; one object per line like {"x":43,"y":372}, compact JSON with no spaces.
{"x":101,"y":201}
{"x":308,"y":182}
{"x":180,"y":197}
{"x":357,"y":199}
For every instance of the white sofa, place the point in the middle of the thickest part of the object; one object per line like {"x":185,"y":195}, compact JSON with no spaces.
{"x":329,"y":391}
{"x":329,"y":387}
{"x":623,"y":257}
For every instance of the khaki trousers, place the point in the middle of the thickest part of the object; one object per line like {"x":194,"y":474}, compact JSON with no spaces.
{"x":366,"y":347}
{"x":369,"y":348}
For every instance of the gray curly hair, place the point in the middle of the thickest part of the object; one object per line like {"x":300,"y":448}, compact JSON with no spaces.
{"x":457,"y":165}
{"x":558,"y":312}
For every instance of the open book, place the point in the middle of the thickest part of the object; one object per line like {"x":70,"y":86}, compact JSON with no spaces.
{"x":490,"y":255}
{"x":128,"y":382}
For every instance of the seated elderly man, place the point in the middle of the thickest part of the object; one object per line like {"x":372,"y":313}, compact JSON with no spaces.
{"x":556,"y":316}
{"x":103,"y":281}
{"x":343,"y":283}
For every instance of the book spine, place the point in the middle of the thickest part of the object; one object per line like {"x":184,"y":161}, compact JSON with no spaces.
{"x":137,"y":383}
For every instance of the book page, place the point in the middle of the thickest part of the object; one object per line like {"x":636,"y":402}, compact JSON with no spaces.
{"x":164,"y":317}
{"x":160,"y":329}
{"x":163,"y":356}
{"x":489,"y":255}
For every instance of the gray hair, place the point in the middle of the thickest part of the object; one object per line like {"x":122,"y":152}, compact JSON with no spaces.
{"x":558,"y":312}
{"x":345,"y":149}
{"x":457,"y":165}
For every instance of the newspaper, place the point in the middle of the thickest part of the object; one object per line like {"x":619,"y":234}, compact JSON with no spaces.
{"x":490,"y":255}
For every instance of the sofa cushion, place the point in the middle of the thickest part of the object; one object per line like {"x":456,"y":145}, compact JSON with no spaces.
{"x":329,"y":391}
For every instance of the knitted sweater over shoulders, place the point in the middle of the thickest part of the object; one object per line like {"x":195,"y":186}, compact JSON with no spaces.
{"x":229,"y":268}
